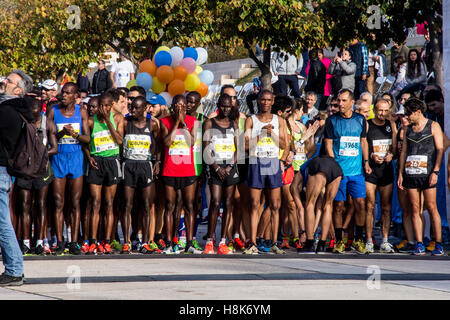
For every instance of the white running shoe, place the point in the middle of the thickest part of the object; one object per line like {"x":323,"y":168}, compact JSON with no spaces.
{"x":387,"y":248}
{"x":369,"y":247}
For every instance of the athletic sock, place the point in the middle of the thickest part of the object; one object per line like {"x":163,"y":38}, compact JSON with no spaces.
{"x":27,"y":243}
{"x":39,"y":243}
{"x":236,"y":235}
{"x":369,"y":240}
{"x":411,"y":242}
{"x":385,"y":240}
{"x":321,"y":243}
{"x":209,"y":240}
{"x":223,"y":240}
{"x":139,"y":236}
{"x":338,"y":234}
{"x":359,"y":232}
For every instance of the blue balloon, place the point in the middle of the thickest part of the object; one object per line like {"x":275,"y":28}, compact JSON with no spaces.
{"x":163,"y":58}
{"x":190,"y":52}
{"x":206,"y":77}
{"x":149,"y":95}
{"x":144,"y":80}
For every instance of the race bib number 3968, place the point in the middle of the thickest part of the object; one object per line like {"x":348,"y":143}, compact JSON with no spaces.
{"x":349,"y":146}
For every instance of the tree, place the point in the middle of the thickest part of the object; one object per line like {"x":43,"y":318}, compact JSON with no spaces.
{"x":377,"y":21}
{"x":282,"y":24}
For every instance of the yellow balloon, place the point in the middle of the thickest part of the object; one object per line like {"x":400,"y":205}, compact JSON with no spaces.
{"x":158,"y":86}
{"x":192,"y":82}
{"x":162,"y":48}
{"x":198,"y":69}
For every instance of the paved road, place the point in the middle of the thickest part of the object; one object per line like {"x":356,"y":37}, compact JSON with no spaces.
{"x":259,"y":277}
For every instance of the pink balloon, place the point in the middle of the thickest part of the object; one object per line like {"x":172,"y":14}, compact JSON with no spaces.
{"x":189,"y":64}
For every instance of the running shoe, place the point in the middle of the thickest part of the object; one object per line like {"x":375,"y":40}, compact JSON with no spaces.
{"x":85,"y":248}
{"x":59,"y":249}
{"x":274,"y":249}
{"x":252,"y":249}
{"x":209,"y":248}
{"x":25,"y":250}
{"x":297,"y":244}
{"x":126,"y":249}
{"x":100,"y":248}
{"x":430,"y":246}
{"x":230,"y":246}
{"x":74,"y":248}
{"x":181,"y":243}
{"x":107,"y":248}
{"x":369,"y":248}
{"x":47,"y":249}
{"x":161,"y":244}
{"x":331,"y":246}
{"x":307,"y":248}
{"x":224,"y":249}
{"x":401,"y":244}
{"x":340,"y":247}
{"x":145,"y":249}
{"x":196,"y":245}
{"x":320,"y":248}
{"x":359,"y":247}
{"x":92,"y":248}
{"x":264,"y":246}
{"x":176,"y":248}
{"x":168,"y":249}
{"x":39,"y":250}
{"x":154,"y":247}
{"x":115,"y":245}
{"x":248,"y":243}
{"x":348,"y":246}
{"x":438,"y":250}
{"x":386,"y":248}
{"x":408,"y":248}
{"x":238,"y":244}
{"x":192,"y":250}
{"x":419,"y":250}
{"x":285,"y":243}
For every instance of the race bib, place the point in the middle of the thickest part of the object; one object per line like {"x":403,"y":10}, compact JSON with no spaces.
{"x":198,"y":144}
{"x":224,"y":148}
{"x":349,"y":146}
{"x":68,"y":139}
{"x":103,"y":141}
{"x":416,"y":165}
{"x":300,"y":154}
{"x":266,"y":148}
{"x":138,"y":145}
{"x":382,"y":147}
{"x":179,"y":147}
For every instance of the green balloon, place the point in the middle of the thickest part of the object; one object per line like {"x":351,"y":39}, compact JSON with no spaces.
{"x":131,"y":83}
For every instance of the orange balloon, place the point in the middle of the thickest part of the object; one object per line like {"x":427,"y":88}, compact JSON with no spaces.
{"x":176,"y":87}
{"x":202,"y":89}
{"x":180,"y":73}
{"x":164,"y":74}
{"x":148,"y":66}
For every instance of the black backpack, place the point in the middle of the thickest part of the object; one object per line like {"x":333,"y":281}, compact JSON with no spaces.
{"x":30,"y":158}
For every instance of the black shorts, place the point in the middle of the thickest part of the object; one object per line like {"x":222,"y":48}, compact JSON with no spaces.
{"x":231,"y":180}
{"x":421,"y":183}
{"x":179,"y":182}
{"x":381,"y":175}
{"x":36,"y":184}
{"x":327,"y":166}
{"x":108,"y":172}
{"x":137,"y":174}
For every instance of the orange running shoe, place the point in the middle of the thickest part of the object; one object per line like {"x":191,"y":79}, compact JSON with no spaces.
{"x":92,"y":248}
{"x":107,"y":248}
{"x":238,"y":244}
{"x":126,"y":248}
{"x":223,"y":249}
{"x":100,"y":248}
{"x":297,"y":243}
{"x":209,"y":248}
{"x":85,"y":248}
{"x":285,"y":244}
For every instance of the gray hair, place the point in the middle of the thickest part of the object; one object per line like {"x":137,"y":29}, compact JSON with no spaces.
{"x":366,"y":93}
{"x":311,"y":93}
{"x":359,"y":104}
{"x":26,"y":83}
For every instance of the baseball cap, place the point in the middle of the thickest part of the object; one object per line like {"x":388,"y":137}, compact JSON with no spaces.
{"x":50,"y":84}
{"x":157,"y":100}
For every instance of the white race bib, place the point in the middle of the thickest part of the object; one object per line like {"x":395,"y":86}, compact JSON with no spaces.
{"x":382,"y":147}
{"x":266,"y":148}
{"x":349,"y":146}
{"x":103,"y":141}
{"x":138,"y":144}
{"x":179,"y":147}
{"x":416,"y":165}
{"x":224,"y":148}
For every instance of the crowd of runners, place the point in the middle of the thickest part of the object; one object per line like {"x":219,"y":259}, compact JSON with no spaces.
{"x":288,"y":177}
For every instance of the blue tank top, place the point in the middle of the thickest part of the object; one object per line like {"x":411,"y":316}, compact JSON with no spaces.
{"x":346,"y":134}
{"x":68,"y":144}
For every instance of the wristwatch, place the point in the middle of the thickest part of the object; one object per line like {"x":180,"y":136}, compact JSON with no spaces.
{"x":436,"y":172}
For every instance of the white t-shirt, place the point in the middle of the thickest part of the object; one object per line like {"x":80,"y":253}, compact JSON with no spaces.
{"x":122,"y":72}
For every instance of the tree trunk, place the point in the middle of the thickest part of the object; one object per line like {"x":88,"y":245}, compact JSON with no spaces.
{"x":264,"y":66}
{"x":436,"y":44}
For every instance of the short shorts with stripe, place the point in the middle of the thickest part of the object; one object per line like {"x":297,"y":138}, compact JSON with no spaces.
{"x":108,"y":173}
{"x":137,"y":174}
{"x":355,"y":185}
{"x":230,"y":180}
{"x":421,"y":183}
{"x":68,"y":165}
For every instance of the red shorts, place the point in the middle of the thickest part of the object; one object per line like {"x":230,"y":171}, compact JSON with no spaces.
{"x":288,"y":175}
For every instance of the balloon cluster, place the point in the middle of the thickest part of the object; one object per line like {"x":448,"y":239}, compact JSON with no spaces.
{"x":174,"y":71}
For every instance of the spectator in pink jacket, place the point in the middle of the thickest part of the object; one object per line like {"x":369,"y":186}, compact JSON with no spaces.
{"x":327,"y":89}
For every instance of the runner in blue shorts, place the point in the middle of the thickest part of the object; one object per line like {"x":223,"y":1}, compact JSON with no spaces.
{"x":265,"y":135}
{"x":68,"y":164}
{"x":346,"y":141}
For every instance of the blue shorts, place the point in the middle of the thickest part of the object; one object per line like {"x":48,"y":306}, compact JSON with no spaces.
{"x":68,"y":165}
{"x":355,"y":185}
{"x":264,"y":173}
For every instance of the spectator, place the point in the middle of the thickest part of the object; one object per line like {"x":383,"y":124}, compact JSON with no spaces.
{"x":358,"y":51}
{"x":416,"y":72}
{"x":400,"y":76}
{"x":287,"y":67}
{"x":398,"y":51}
{"x":122,"y":72}
{"x":83,"y":82}
{"x":435,"y":106}
{"x":328,"y":88}
{"x":257,"y":87}
{"x":102,"y":79}
{"x":311,"y":99}
{"x":15,"y":86}
{"x":316,"y":77}
{"x":49,"y":93}
{"x":343,"y":70}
